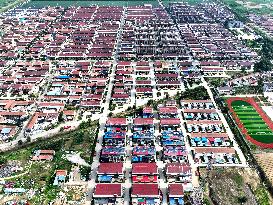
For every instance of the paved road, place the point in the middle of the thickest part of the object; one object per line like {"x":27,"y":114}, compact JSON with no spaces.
{"x":243,"y":96}
{"x":228,"y":130}
{"x":47,"y":134}
{"x":195,"y":180}
{"x":102,"y":121}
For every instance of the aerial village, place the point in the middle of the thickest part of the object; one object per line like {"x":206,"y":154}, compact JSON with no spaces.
{"x":123,"y":67}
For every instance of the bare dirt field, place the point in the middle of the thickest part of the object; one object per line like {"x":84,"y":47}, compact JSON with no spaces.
{"x":225,"y":186}
{"x":266,"y":162}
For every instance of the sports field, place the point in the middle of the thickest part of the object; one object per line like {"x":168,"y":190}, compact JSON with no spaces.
{"x":252,"y":121}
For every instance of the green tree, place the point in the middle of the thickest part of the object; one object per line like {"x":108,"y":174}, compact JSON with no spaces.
{"x":20,"y":142}
{"x":79,"y":138}
{"x":3,"y":160}
{"x":61,"y":117}
{"x":28,"y":139}
{"x":263,"y":65}
{"x":85,"y":172}
{"x":242,"y":199}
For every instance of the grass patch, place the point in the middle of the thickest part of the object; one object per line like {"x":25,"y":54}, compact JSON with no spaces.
{"x":40,"y":175}
{"x":227,"y":186}
{"x":262,"y":196}
{"x":253,"y":122}
{"x":7,"y":4}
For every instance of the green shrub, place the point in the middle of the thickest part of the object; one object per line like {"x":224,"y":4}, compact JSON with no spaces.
{"x":262,"y":195}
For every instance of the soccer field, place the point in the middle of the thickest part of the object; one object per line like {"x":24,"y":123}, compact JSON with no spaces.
{"x":256,"y":127}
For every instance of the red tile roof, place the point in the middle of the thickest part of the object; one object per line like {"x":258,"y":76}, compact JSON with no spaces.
{"x":119,"y":96}
{"x":168,"y":82}
{"x":214,"y":150}
{"x":144,"y":168}
{"x":148,"y":110}
{"x":177,"y":168}
{"x":196,"y":101}
{"x":32,"y":121}
{"x":170,"y":121}
{"x":210,"y":135}
{"x":143,"y":82}
{"x":69,"y":112}
{"x":90,"y":103}
{"x":143,"y":121}
{"x":168,"y":110}
{"x":108,"y":190}
{"x":47,"y":104}
{"x":124,"y":63}
{"x":176,"y":190}
{"x":142,"y":68}
{"x":42,"y":157}
{"x":61,"y":172}
{"x":144,"y":90}
{"x":145,"y":190}
{"x":205,"y":122}
{"x":142,"y":63}
{"x":116,"y":121}
{"x":45,"y":151}
{"x":110,"y":168}
{"x":166,"y":75}
{"x":3,"y":113}
{"x":200,"y":110}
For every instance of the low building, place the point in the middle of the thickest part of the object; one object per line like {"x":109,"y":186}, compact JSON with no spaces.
{"x":225,"y":90}
{"x":110,"y":173}
{"x":107,"y":194}
{"x":178,"y":172}
{"x":145,"y":194}
{"x":268,"y":91}
{"x":176,"y":194}
{"x":43,"y":155}
{"x":60,"y":177}
{"x":144,"y":173}
{"x":143,"y":154}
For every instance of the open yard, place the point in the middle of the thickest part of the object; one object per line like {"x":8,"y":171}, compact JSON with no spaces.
{"x":8,"y":4}
{"x":37,"y":177}
{"x":266,"y":162}
{"x":253,"y":122}
{"x":234,"y":186}
{"x":252,"y":6}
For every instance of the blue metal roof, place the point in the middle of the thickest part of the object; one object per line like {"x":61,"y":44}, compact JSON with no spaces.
{"x":63,"y":77}
{"x":6,"y":130}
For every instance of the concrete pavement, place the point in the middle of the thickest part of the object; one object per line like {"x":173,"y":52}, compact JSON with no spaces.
{"x":224,"y":121}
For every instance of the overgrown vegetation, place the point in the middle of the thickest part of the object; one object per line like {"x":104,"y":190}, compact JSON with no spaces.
{"x":206,"y":201}
{"x":248,"y":149}
{"x":216,"y":82}
{"x":198,"y":93}
{"x":262,"y":196}
{"x":241,"y":9}
{"x":7,"y":4}
{"x":266,"y":54}
{"x":40,"y":175}
{"x":233,"y":186}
